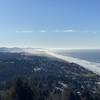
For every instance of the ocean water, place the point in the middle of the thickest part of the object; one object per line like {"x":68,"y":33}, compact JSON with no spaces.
{"x":89,"y":59}
{"x":88,"y":55}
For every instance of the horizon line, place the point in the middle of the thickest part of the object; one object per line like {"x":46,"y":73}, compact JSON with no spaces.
{"x":58,"y":48}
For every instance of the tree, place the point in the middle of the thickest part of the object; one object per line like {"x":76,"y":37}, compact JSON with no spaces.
{"x":23,"y":91}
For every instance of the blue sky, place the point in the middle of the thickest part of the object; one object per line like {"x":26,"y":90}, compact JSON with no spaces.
{"x":50,"y":23}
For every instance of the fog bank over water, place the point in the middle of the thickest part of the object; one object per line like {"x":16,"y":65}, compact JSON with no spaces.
{"x":94,"y":67}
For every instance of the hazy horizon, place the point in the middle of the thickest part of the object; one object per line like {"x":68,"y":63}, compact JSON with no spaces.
{"x":52,"y":49}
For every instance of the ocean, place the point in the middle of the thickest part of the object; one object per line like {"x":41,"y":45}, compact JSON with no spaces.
{"x":89,"y":59}
{"x":88,"y":55}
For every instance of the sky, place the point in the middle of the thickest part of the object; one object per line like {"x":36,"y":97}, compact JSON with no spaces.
{"x":50,"y":23}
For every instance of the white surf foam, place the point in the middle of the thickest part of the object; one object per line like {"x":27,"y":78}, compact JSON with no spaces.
{"x":94,"y":67}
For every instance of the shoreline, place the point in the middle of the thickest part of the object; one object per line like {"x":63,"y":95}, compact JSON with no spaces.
{"x":91,"y":66}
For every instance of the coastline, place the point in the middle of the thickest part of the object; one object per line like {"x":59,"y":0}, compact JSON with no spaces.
{"x":91,"y":66}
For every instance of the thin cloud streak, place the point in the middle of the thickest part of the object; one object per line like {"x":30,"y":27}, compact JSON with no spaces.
{"x":24,"y":31}
{"x":56,"y":31}
{"x":43,"y":31}
{"x":70,"y":31}
{"x":66,"y":31}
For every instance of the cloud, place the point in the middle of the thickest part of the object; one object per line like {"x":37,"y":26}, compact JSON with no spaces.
{"x":70,"y":31}
{"x":42,"y":31}
{"x":24,"y":31}
{"x":30,"y":31}
{"x":89,"y":32}
{"x":66,"y":31}
{"x":57,"y":31}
